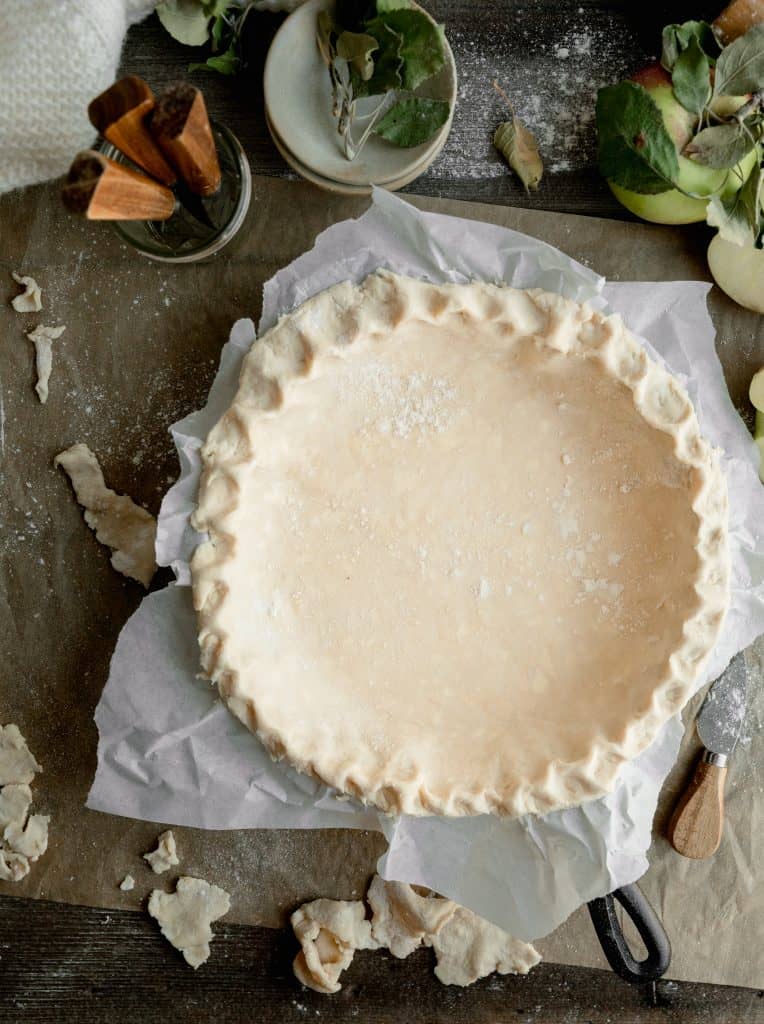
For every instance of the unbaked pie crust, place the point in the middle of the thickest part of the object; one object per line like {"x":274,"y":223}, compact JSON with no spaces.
{"x":466,"y":550}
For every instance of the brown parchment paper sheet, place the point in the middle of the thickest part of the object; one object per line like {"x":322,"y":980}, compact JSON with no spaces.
{"x":140,"y":350}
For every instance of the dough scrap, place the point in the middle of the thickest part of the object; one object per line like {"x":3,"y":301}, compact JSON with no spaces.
{"x":166,"y":854}
{"x":329,"y":931}
{"x":128,"y":529}
{"x":13,"y":866}
{"x":17,"y":764}
{"x":127,"y":883}
{"x":30,"y":300}
{"x":402,"y":918}
{"x":468,"y":947}
{"x":31,"y":840}
{"x":42,"y":338}
{"x":185,"y":916}
{"x":15,"y":801}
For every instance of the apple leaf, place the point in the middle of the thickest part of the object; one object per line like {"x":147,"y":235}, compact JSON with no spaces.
{"x":676,"y":38}
{"x":635,"y":150}
{"x":226,"y":63}
{"x":520,"y":149}
{"x":739,"y":217}
{"x":388,"y":62}
{"x":723,"y":145}
{"x":356,"y":48}
{"x":690,"y":78}
{"x":383,"y":6}
{"x":412,"y":121}
{"x":422,"y":43}
{"x":740,"y":67}
{"x":185,"y":20}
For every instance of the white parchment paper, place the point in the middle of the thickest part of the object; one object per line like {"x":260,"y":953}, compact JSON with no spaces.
{"x":170,"y":752}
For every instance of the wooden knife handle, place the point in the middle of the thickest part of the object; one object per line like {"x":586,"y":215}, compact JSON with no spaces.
{"x":696,"y":826}
{"x":102,"y":189}
{"x":182,"y":130}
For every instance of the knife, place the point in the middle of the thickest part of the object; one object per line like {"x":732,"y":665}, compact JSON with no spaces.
{"x":695,"y":829}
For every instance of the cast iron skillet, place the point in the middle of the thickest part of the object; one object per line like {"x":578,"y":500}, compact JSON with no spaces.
{"x":613,"y":941}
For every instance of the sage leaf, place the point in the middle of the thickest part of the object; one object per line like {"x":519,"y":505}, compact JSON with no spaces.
{"x":676,"y":38}
{"x":421,"y":47}
{"x":383,"y":6}
{"x":356,"y":48}
{"x":740,"y":68}
{"x":226,"y":63}
{"x":324,"y":31}
{"x":635,"y":150}
{"x":738,"y":218}
{"x":723,"y":145}
{"x":691,"y":78}
{"x":519,"y":148}
{"x":185,"y":20}
{"x":215,"y":8}
{"x":412,"y":121}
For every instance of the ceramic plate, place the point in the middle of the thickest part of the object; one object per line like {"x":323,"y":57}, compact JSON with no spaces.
{"x":298,"y":102}
{"x":344,"y":187}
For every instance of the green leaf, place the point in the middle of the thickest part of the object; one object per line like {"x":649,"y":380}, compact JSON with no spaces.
{"x":635,"y":150}
{"x":388,"y":63}
{"x":351,"y":14}
{"x":740,"y":68}
{"x":723,"y":145}
{"x":691,"y":78}
{"x":519,"y":148}
{"x":676,"y":38}
{"x":383,"y":6}
{"x":215,"y":8}
{"x":227,"y":63}
{"x":422,"y":46}
{"x":185,"y":20}
{"x":412,"y":121}
{"x":739,"y":217}
{"x":356,"y":48}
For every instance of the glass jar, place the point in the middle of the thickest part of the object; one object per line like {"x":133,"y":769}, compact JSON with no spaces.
{"x":200,"y":225}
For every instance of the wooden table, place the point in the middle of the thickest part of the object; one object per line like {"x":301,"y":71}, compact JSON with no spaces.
{"x":71,"y":963}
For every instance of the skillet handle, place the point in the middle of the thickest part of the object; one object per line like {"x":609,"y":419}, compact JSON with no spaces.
{"x":613,"y":942}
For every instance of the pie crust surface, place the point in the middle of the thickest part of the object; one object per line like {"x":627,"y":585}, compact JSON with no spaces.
{"x":467,"y":547}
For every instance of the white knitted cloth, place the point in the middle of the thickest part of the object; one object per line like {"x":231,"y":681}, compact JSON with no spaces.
{"x":55,"y":56}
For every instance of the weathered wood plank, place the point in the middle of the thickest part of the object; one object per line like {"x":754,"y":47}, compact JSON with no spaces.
{"x":81,"y":965}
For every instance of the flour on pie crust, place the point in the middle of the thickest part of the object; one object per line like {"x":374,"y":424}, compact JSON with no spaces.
{"x":329,"y":932}
{"x":185,"y":916}
{"x":467,"y":549}
{"x":128,"y":529}
{"x":30,"y":300}
{"x":42,"y":338}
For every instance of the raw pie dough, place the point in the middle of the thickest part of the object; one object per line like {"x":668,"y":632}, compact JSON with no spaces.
{"x":42,"y":338}
{"x":185,"y":916}
{"x":30,"y":300}
{"x":467,"y":547}
{"x":128,"y":529}
{"x":166,"y":854}
{"x":23,"y":837}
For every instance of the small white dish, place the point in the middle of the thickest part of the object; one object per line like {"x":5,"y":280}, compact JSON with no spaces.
{"x":344,"y":187}
{"x":298,"y":105}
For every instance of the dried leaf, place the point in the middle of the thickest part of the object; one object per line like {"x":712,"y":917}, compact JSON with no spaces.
{"x":356,"y":48}
{"x":519,"y":148}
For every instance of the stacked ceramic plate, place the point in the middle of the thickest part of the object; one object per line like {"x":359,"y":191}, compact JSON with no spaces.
{"x":298,"y":110}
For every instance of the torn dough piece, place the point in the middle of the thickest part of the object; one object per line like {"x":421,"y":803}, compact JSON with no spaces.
{"x":402,"y":918}
{"x":30,"y":300}
{"x":15,"y":801}
{"x":43,"y":337}
{"x":17,"y":764}
{"x":127,"y":883}
{"x":128,"y":529}
{"x":166,"y":854}
{"x":468,"y":947}
{"x":32,"y":840}
{"x":329,"y":931}
{"x":185,"y":916}
{"x":13,"y":866}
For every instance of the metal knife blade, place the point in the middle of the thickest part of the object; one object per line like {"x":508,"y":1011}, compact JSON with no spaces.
{"x":723,"y":712}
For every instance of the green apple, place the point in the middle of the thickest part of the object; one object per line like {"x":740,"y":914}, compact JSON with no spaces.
{"x":673,"y":207}
{"x":739,"y":271}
